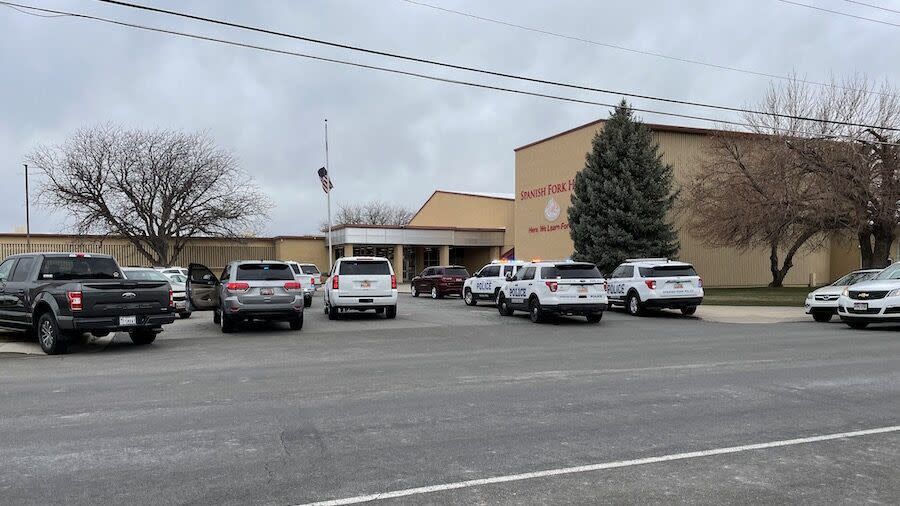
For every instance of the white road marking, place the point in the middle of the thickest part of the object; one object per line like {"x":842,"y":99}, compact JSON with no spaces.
{"x":599,"y":467}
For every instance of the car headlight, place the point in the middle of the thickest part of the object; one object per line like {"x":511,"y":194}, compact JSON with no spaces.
{"x":894,"y":293}
{"x":846,"y":291}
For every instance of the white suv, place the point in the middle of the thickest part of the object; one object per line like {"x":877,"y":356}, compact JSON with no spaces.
{"x":309,"y":280}
{"x":486,"y":283}
{"x":361,"y":283}
{"x":563,"y":288}
{"x":873,"y":301}
{"x":641,"y":283}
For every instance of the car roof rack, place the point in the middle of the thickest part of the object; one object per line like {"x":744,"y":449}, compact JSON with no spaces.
{"x":647,"y":260}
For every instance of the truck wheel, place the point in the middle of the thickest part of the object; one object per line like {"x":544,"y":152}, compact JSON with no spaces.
{"x":226,"y":323}
{"x":535,"y":313}
{"x":307,"y":301}
{"x":52,"y":340}
{"x":185,"y":315}
{"x":469,"y":297}
{"x":822,"y":316}
{"x":142,"y":336}
{"x":633,"y":305}
{"x":333,"y":313}
{"x":594,"y":317}
{"x":390,"y":312}
{"x":688,"y":311}
{"x":297,"y":323}
{"x":217,"y":317}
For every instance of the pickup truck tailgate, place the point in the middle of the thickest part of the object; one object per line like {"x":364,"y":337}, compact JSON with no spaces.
{"x":124,"y":297}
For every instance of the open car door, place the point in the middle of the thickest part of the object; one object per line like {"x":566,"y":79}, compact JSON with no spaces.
{"x":202,"y":288}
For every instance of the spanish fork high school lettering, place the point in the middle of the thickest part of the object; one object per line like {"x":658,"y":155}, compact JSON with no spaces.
{"x":550,"y":189}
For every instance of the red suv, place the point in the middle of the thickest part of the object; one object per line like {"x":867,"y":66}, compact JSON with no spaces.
{"x":439,"y":281}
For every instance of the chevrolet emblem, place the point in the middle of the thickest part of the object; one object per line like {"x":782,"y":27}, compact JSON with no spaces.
{"x":863,"y":295}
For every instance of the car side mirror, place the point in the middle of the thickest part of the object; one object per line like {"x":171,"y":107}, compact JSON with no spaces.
{"x":509,"y":276}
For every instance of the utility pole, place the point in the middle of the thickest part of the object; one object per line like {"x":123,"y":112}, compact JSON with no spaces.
{"x":27,"y":212}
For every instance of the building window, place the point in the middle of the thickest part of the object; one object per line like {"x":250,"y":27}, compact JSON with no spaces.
{"x":432,"y":257}
{"x":457,"y":256}
{"x":368,"y":250}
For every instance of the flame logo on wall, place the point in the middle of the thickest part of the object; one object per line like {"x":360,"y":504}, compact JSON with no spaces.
{"x":551,"y":211}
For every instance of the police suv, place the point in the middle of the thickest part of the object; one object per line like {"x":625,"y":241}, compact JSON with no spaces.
{"x":640,"y":283}
{"x":563,"y":288}
{"x":485,"y":284}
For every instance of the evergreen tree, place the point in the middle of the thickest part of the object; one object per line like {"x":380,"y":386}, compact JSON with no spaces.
{"x":622,"y":197}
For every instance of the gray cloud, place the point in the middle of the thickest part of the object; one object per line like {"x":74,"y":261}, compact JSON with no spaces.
{"x":392,"y":138}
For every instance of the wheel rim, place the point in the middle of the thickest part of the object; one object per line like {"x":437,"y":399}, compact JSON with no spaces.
{"x":534,"y":311}
{"x":468,"y":297}
{"x":632,"y":304}
{"x":434,"y":293}
{"x":47,"y":333}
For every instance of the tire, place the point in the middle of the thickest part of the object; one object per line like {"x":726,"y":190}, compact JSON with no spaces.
{"x":100,"y":333}
{"x":633,"y":305}
{"x":227,"y":324}
{"x":217,"y":318}
{"x":856,"y":325}
{"x":594,"y":317}
{"x":297,"y":323}
{"x":413,"y":290}
{"x":333,"y":313}
{"x":469,"y":297}
{"x":688,"y":311}
{"x":390,"y":312}
{"x":503,"y":306}
{"x":821,"y":316}
{"x":185,"y":315}
{"x":435,"y":294}
{"x":52,"y":340}
{"x":535,"y":313}
{"x":307,"y":301}
{"x":496,"y":295}
{"x":142,"y":336}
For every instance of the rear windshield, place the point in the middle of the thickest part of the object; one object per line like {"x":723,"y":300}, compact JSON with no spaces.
{"x":570,"y":271}
{"x":309,"y":269}
{"x":364,"y":267}
{"x":145,"y":275}
{"x":79,"y":268}
{"x":264,"y":272}
{"x":456,"y":271}
{"x":663,"y":271}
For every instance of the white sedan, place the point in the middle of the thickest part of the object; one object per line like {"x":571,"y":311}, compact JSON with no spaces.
{"x":873,"y":301}
{"x":822,"y":304}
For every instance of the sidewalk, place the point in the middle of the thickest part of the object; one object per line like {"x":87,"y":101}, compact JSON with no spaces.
{"x":752,"y":314}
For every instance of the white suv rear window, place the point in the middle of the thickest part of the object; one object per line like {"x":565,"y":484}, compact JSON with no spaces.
{"x":364,"y":268}
{"x":664,"y":271}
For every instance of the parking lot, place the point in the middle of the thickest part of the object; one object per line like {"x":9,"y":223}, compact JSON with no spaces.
{"x":452,"y":404}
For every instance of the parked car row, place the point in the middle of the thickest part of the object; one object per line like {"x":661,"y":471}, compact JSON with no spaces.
{"x":859,"y":298}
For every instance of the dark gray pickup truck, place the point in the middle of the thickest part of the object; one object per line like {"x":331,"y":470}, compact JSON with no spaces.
{"x":58,"y":296}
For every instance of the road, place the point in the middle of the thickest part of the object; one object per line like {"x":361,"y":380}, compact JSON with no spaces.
{"x":447,"y":393}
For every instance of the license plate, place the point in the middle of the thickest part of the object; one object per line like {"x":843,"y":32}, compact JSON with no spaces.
{"x":365,"y":284}
{"x":582,"y":289}
{"x":266,"y":291}
{"x":678,"y":286}
{"x":125,"y":321}
{"x":860,"y":306}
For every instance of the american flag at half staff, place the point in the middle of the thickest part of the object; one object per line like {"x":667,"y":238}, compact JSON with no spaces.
{"x":326,"y":181}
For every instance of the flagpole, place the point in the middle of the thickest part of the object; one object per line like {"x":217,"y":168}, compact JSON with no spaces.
{"x":328,"y":193}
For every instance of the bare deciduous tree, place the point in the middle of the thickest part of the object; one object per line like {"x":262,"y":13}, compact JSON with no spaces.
{"x":374,"y":212}
{"x":157,"y":189}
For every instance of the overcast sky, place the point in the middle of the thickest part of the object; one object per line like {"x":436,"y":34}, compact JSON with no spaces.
{"x":391,"y":137}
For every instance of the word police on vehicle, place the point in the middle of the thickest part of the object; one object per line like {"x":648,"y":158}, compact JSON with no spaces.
{"x":641,"y":283}
{"x":486,"y":283}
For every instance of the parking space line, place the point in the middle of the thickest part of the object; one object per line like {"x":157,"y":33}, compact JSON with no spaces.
{"x":601,"y":466}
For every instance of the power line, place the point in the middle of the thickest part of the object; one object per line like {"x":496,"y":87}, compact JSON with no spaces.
{"x":479,"y":70}
{"x":633,"y":50}
{"x":839,"y":13}
{"x":886,"y":9}
{"x":23,"y":11}
{"x":415,"y":74}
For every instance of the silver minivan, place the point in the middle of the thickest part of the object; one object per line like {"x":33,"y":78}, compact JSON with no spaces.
{"x":247,"y":290}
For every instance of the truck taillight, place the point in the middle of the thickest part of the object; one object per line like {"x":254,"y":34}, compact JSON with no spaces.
{"x":292,"y":286}
{"x":651,"y":283}
{"x":74,"y":301}
{"x":552,"y":285}
{"x":312,"y":281}
{"x":393,"y":281}
{"x":700,"y":282}
{"x":171,"y":298}
{"x":237,"y":287}
{"x":334,"y":282}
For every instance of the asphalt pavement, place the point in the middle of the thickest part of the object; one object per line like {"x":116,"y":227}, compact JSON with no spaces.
{"x":451,"y":404}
